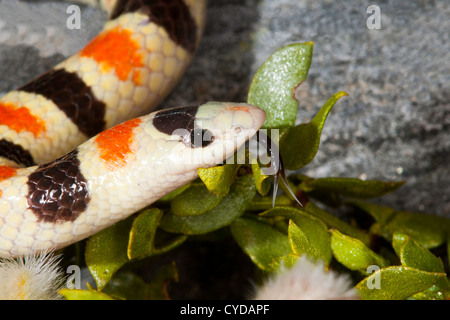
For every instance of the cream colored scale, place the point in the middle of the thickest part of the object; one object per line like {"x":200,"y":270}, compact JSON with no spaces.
{"x":157,"y":164}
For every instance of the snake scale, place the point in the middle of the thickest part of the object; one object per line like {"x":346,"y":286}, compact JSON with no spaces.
{"x":64,"y":175}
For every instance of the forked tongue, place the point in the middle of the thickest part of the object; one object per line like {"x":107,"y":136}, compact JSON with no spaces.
{"x":277,"y":162}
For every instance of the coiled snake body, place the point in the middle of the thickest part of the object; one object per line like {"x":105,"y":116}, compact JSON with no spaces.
{"x":123,"y":73}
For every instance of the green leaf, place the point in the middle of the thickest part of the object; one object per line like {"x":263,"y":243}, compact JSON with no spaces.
{"x":310,"y":238}
{"x":351,"y":187}
{"x":260,"y":241}
{"x":286,"y":261}
{"x":232,"y":206}
{"x":142,"y":234}
{"x":333,"y":222}
{"x":265,"y":203}
{"x":79,"y":294}
{"x":299,"y":145}
{"x":127,"y":286}
{"x":194,"y":201}
{"x":433,"y":293}
{"x":307,"y":234}
{"x":133,"y":238}
{"x":274,"y":83}
{"x":320,"y":118}
{"x":106,"y":252}
{"x":218,"y":179}
{"x":354,"y":254}
{"x":261,"y":182}
{"x":381,"y":214}
{"x":170,"y":242}
{"x":413,"y":255}
{"x":397,"y":282}
{"x":428,"y":230}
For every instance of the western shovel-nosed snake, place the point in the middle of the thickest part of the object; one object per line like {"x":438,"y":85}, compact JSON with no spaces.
{"x":101,"y":175}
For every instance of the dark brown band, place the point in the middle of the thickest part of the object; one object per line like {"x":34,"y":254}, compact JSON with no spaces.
{"x":173,"y":15}
{"x":57,"y":191}
{"x":16,"y":153}
{"x":72,"y":96}
{"x":167,"y":121}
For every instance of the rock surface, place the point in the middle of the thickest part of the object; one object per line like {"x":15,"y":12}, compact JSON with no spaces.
{"x":394,"y":125}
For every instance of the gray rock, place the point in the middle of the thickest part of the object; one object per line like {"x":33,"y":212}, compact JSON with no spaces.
{"x":394,"y":125}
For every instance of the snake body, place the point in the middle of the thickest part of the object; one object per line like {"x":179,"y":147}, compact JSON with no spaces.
{"x":121,"y":74}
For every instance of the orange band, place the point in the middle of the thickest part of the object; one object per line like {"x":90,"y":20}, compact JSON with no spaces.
{"x":114,"y":144}
{"x":7,"y":172}
{"x":20,"y":119}
{"x":116,"y":49}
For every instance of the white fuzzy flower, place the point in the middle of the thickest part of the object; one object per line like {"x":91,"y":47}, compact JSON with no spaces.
{"x":32,"y":277}
{"x":306,"y":280}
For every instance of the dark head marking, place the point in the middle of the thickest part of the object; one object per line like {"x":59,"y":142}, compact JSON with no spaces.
{"x":169,"y":120}
{"x":57,"y":191}
{"x":182,"y":120}
{"x":172,"y":15}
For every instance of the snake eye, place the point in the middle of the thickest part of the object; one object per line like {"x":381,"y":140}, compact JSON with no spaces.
{"x":201,"y":138}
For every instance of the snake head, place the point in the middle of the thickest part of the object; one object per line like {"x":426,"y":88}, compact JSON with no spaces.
{"x":206,"y":135}
{"x":211,"y":133}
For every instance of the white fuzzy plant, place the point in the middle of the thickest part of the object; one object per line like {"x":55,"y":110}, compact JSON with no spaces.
{"x":32,"y":277}
{"x":306,"y":280}
{"x":39,"y":277}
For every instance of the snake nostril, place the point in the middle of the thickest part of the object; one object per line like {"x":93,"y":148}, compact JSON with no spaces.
{"x":237,"y":130}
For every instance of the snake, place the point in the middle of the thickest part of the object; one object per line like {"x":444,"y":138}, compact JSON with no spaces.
{"x":79,"y":150}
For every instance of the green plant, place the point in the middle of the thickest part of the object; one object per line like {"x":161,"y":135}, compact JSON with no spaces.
{"x":236,"y":197}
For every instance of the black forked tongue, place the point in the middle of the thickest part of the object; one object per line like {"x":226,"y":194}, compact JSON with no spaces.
{"x":277,"y":163}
